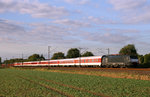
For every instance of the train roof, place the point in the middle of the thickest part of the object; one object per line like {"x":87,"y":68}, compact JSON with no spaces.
{"x":90,"y":57}
{"x":76,"y":58}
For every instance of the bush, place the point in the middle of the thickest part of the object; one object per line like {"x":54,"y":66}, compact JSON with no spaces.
{"x":147,"y":59}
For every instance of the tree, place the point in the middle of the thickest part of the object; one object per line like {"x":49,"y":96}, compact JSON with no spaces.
{"x":35,"y":57}
{"x":58,"y":55}
{"x":86,"y":54}
{"x":128,"y":50}
{"x":42,"y":57}
{"x":73,"y":53}
{"x":11,"y":61}
{"x":147,"y":58}
{"x":141,"y":59}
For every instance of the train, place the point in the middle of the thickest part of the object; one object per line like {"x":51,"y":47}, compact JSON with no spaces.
{"x":92,"y":61}
{"x":119,"y":61}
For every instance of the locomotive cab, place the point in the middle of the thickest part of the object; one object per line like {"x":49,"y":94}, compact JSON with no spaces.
{"x":134,"y":61}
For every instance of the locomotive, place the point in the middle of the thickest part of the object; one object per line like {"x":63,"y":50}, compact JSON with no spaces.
{"x":119,"y":61}
{"x":93,"y":61}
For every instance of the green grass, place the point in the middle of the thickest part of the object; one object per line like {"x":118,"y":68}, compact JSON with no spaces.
{"x":32,"y":83}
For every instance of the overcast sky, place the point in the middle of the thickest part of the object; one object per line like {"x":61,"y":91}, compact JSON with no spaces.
{"x":29,"y":26}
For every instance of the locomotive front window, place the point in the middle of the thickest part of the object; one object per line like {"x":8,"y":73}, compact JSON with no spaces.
{"x":133,"y":57}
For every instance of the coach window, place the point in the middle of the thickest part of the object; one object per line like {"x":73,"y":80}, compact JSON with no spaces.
{"x":92,"y":60}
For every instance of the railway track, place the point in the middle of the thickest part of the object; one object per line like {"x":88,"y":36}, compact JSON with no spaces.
{"x":137,"y":71}
{"x":86,"y":68}
{"x":99,"y":68}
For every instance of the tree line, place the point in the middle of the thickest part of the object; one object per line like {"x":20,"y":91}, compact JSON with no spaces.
{"x":72,"y":53}
{"x":129,"y":49}
{"x":34,"y":57}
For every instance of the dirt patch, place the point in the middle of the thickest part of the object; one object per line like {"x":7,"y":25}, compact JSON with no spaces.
{"x":114,"y":73}
{"x":139,"y":71}
{"x":129,"y":73}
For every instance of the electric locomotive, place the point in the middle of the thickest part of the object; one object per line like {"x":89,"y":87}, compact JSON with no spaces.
{"x":119,"y":61}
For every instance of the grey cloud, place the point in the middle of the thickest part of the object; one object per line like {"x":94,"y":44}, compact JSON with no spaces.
{"x":114,"y":38}
{"x":80,"y":2}
{"x":54,"y":34}
{"x":141,"y":18}
{"x":120,"y":31}
{"x":38,"y":34}
{"x":127,"y":5}
{"x":35,"y":9}
{"x":7,"y":27}
{"x":11,"y":33}
{"x":72,"y":23}
{"x":132,"y":11}
{"x":98,"y":20}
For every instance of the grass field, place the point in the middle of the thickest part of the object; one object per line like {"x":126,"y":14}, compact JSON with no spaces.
{"x":35,"y":83}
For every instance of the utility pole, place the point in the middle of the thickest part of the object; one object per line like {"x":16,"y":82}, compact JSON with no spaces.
{"x":22,"y":58}
{"x":81,"y":53}
{"x":50,"y":50}
{"x":6,"y":63}
{"x":85,"y":49}
{"x":80,"y":56}
{"x":49,"y":54}
{"x":100,"y":50}
{"x":108,"y":51}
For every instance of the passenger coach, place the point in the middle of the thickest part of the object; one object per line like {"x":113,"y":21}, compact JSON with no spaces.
{"x":94,"y":61}
{"x":81,"y":61}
